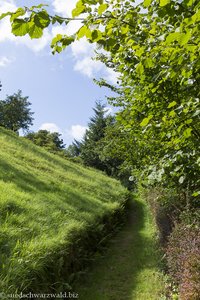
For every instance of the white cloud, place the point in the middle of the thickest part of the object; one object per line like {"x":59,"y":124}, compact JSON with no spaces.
{"x":83,"y":52}
{"x":64,"y":7}
{"x":88,"y":67}
{"x":5,"y":61}
{"x":52,"y":127}
{"x":77,"y":131}
{"x":82,"y":48}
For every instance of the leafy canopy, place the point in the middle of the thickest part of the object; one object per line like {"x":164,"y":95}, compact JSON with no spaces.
{"x":155,"y":47}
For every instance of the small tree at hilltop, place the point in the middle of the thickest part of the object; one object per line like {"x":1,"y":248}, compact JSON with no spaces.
{"x":46,"y":139}
{"x":15,"y":113}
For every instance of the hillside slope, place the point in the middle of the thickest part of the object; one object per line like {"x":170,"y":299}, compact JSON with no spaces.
{"x":51,"y":212}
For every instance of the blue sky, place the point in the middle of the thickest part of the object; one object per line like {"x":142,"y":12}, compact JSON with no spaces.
{"x":60,"y":87}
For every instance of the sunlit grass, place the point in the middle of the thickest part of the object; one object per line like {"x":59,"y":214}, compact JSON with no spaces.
{"x":45,"y":201}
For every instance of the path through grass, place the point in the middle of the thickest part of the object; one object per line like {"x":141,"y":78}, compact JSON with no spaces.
{"x":130,"y":268}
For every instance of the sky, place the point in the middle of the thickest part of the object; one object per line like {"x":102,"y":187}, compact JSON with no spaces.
{"x":60,"y":87}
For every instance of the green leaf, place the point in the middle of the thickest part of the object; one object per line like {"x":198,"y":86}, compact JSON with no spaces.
{"x":42,"y":19}
{"x":5,"y":15}
{"x":172,"y":104}
{"x":184,"y":38}
{"x":82,"y":32}
{"x":172,"y":113}
{"x":96,"y":35}
{"x":102,"y":8}
{"x":147,"y":3}
{"x":79,"y":9}
{"x":195,"y":194}
{"x":20,"y":27}
{"x":140,"y":69}
{"x":187,"y":132}
{"x":145,"y":121}
{"x":35,"y":32}
{"x":67,"y":40}
{"x":164,"y":2}
{"x":174,"y":36}
{"x":56,"y":39}
{"x":19,"y":12}
{"x":58,"y":19}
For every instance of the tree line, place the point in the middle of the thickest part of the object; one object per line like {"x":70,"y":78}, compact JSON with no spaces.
{"x":16,"y":114}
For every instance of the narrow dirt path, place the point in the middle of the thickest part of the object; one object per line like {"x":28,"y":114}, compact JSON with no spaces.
{"x":129,"y":268}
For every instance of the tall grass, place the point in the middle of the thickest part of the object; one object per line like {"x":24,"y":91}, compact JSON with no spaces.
{"x":50,"y":209}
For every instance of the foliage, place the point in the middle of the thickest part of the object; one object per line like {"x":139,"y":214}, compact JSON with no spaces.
{"x":15,"y":112}
{"x":155,"y":47}
{"x":98,"y":147}
{"x":74,"y":150}
{"x":90,"y":147}
{"x":183,"y":256}
{"x":53,"y":215}
{"x":50,"y":141}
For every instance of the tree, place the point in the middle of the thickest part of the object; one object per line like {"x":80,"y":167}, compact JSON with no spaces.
{"x":15,"y":113}
{"x":154,"y":45}
{"x":98,"y":147}
{"x":51,"y":141}
{"x":74,"y":150}
{"x":90,"y":146}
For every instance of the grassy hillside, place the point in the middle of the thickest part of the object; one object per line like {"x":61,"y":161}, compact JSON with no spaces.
{"x":51,"y":215}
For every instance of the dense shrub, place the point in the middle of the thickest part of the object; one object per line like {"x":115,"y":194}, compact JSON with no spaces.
{"x":183,"y":257}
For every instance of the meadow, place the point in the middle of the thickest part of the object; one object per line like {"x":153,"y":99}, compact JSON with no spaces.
{"x":53,"y":214}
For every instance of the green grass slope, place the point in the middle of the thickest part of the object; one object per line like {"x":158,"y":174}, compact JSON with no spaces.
{"x":52,"y":213}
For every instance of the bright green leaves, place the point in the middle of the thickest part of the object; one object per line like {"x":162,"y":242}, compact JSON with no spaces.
{"x":20,"y":27}
{"x":32,"y":25}
{"x":145,"y":121}
{"x":84,"y":31}
{"x":187,"y":133}
{"x":164,"y":2}
{"x":102,"y":8}
{"x":94,"y":35}
{"x":60,"y":42}
{"x":172,"y":104}
{"x":2,"y":16}
{"x":18,"y":13}
{"x":181,"y":38}
{"x":147,"y":3}
{"x":35,"y":32}
{"x":139,"y":69}
{"x":79,"y":9}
